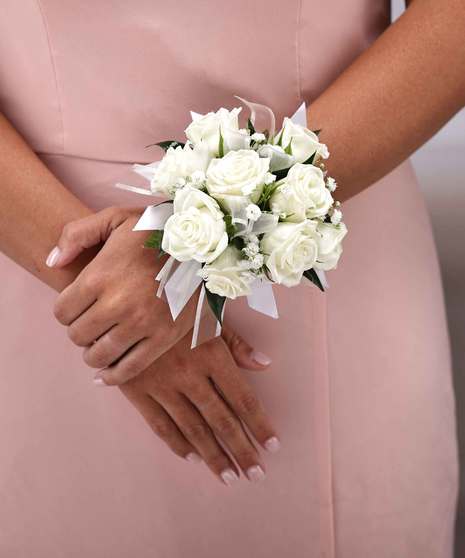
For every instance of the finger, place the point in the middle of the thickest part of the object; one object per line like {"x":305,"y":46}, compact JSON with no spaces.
{"x":244,"y":355}
{"x":84,"y":233}
{"x":90,"y":325}
{"x":199,"y":434}
{"x":138,"y":358}
{"x":226,"y":427}
{"x":245,"y":403}
{"x":74,"y":300}
{"x":162,"y":425}
{"x":112,"y":345}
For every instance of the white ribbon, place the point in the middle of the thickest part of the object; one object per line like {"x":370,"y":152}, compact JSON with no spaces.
{"x":154,"y":217}
{"x":147,"y":171}
{"x":257,"y":107}
{"x":265,"y":223}
{"x":134,"y":189}
{"x":164,"y":274}
{"x":300,"y":116}
{"x":322,"y":277}
{"x":182,"y":285}
{"x":262,"y":298}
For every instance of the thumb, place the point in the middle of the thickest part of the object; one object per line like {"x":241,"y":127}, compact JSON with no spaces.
{"x":244,"y":355}
{"x":79,"y":235}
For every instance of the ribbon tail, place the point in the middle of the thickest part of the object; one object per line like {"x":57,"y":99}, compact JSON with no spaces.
{"x":134,"y":189}
{"x":182,"y":285}
{"x":164,"y":274}
{"x":300,"y":116}
{"x":263,"y":109}
{"x":154,"y":217}
{"x":322,"y":277}
{"x":262,"y":300}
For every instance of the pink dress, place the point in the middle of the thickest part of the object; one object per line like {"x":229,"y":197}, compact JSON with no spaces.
{"x":360,"y":386}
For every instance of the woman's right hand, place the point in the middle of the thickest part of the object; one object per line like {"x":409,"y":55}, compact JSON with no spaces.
{"x":195,"y":398}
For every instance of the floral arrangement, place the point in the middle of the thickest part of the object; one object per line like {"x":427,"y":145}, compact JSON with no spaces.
{"x":244,"y":209}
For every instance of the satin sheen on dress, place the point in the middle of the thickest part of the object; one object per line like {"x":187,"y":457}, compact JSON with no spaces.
{"x":360,"y":385}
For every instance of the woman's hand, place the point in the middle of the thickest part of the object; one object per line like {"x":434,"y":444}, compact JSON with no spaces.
{"x":195,"y":398}
{"x":111,"y":308}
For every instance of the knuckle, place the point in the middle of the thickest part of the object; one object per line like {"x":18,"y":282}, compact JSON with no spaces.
{"x":235,"y":341}
{"x":59,"y":312}
{"x":97,"y":357}
{"x":197,"y":431}
{"x":162,"y":429}
{"x":225,"y":426}
{"x":249,"y":403}
{"x":70,"y":231}
{"x":129,"y":370}
{"x":143,"y":319}
{"x":76,"y":336}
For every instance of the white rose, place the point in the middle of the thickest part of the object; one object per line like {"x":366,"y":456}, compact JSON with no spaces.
{"x":196,"y":230}
{"x":239,"y":175}
{"x":304,"y":142}
{"x":290,"y":249}
{"x":329,"y":244}
{"x":302,"y":194}
{"x":226,"y":277}
{"x":207,"y":128}
{"x":177,"y":166}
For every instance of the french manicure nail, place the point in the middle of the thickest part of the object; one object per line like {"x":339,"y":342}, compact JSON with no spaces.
{"x":272,"y":444}
{"x":229,"y":477}
{"x":193,"y":457}
{"x":255,"y":473}
{"x":261,"y":358}
{"x":52,"y":258}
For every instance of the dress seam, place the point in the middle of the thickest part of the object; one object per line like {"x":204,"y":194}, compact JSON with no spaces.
{"x":330,"y":436}
{"x":55,"y":73}
{"x":297,"y":51}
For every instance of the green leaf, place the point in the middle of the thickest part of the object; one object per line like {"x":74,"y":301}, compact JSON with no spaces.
{"x":216,"y":303}
{"x":280,"y":174}
{"x":280,"y":138}
{"x":230,"y":228}
{"x":238,"y":242}
{"x":250,"y":126}
{"x":221,"y":146}
{"x":266,"y":194}
{"x":154,"y":240}
{"x":310,"y":160}
{"x":288,"y":149}
{"x":311,"y":275}
{"x":165,"y":145}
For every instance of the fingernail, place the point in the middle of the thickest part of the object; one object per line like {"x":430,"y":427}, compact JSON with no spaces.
{"x":229,"y":477}
{"x":52,"y":258}
{"x":272,"y":444}
{"x":255,"y":473}
{"x":193,"y":458}
{"x":99,"y":382}
{"x":261,"y":358}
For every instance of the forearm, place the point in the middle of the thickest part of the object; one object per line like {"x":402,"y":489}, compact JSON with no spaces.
{"x":34,"y":207}
{"x":395,"y":96}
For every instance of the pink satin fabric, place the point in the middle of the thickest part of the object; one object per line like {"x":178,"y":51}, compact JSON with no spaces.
{"x":360,"y":386}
